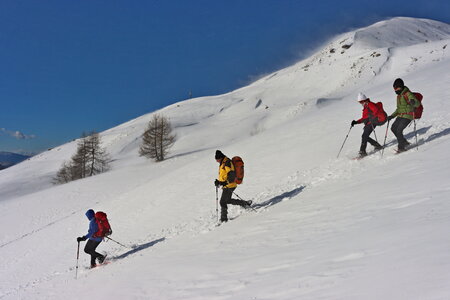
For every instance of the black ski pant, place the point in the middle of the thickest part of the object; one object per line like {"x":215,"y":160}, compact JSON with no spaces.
{"x":368,"y":128}
{"x":397,"y":128}
{"x":226,"y":199}
{"x":90,"y":249}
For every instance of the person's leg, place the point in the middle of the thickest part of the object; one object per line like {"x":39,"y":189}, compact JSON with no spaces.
{"x":365,"y":138}
{"x":90,"y":249}
{"x":400,"y":125}
{"x":239,"y":202}
{"x":373,"y":142}
{"x":224,"y":200}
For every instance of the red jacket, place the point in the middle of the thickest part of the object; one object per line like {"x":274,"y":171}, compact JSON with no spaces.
{"x":372,"y":113}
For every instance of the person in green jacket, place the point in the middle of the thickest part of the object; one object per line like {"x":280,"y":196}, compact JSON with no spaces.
{"x":406,"y":103}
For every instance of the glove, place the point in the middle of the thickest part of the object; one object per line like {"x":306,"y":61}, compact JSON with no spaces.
{"x":81,"y":239}
{"x":354,"y":122}
{"x":390,"y":118}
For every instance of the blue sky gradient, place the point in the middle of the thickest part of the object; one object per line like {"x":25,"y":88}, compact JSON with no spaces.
{"x":73,"y":66}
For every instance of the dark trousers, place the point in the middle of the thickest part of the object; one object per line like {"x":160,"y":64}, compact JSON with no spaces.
{"x":90,"y":249}
{"x":397,"y":128}
{"x":368,"y":128}
{"x":226,"y":199}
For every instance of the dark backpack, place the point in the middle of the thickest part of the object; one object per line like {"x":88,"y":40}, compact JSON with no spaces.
{"x":417,"y":114}
{"x":104,"y":229}
{"x":238,"y":164}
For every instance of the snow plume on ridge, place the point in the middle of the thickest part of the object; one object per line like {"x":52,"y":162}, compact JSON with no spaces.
{"x":400,"y":32}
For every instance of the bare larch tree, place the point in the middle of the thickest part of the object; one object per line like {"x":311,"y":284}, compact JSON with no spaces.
{"x":157,"y":138}
{"x":90,"y":159}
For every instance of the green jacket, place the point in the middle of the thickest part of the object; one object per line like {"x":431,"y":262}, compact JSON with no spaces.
{"x":406,"y":103}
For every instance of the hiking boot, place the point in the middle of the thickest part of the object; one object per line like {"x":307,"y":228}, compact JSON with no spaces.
{"x":93,"y":266}
{"x":401,"y":149}
{"x":101,"y":259}
{"x":378,"y":147}
{"x":362,"y":154}
{"x":222,"y":220}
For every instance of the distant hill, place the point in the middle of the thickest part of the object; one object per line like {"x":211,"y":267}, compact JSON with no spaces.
{"x":8,"y":159}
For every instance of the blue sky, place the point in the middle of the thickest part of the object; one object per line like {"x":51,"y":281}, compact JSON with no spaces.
{"x":73,"y":66}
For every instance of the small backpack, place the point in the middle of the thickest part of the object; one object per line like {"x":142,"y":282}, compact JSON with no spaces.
{"x":382,"y":115}
{"x":104,"y":229}
{"x":417,"y":114}
{"x":238,"y":164}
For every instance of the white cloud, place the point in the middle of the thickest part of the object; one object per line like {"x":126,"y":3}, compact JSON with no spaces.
{"x":17,"y":134}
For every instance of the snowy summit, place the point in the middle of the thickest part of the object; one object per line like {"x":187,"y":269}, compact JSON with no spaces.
{"x":323,"y":227}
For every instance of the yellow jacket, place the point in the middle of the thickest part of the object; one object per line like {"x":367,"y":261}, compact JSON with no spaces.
{"x":225,"y":167}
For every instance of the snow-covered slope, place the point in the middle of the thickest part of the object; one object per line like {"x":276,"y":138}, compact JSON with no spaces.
{"x":326,"y":228}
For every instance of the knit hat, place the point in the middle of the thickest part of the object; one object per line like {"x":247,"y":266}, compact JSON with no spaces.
{"x":219,"y":154}
{"x":398,"y":83}
{"x":362,"y":97}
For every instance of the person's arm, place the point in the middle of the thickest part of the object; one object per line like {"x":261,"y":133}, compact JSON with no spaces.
{"x":93,"y":228}
{"x":412,"y":100}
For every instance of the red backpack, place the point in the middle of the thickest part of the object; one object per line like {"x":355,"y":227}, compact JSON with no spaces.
{"x":417,"y":114}
{"x":382,"y":115}
{"x":104,"y":229}
{"x":238,"y":164}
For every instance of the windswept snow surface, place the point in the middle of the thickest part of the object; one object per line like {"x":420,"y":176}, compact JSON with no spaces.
{"x":324,"y":227}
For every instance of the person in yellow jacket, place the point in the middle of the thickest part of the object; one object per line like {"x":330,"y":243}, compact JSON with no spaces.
{"x":226,"y":179}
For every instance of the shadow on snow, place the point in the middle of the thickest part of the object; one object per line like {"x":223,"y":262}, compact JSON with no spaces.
{"x":438,"y":135}
{"x":420,"y":132}
{"x":279,"y":198}
{"x":138,"y":248}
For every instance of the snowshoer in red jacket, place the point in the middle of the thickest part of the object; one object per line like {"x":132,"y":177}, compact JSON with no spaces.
{"x":372,"y":116}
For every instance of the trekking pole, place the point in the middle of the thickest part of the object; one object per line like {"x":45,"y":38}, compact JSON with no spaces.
{"x":238,"y":196}
{"x":374,"y":133}
{"x":415,"y":132}
{"x":217,"y":203}
{"x":344,"y":141}
{"x":243,"y":200}
{"x":78,"y":256}
{"x":385,"y":137}
{"x":116,"y":242}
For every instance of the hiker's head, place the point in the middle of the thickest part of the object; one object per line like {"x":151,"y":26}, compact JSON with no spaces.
{"x":219,"y":155}
{"x":90,"y":214}
{"x":398,"y":85}
{"x":362,"y":99}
